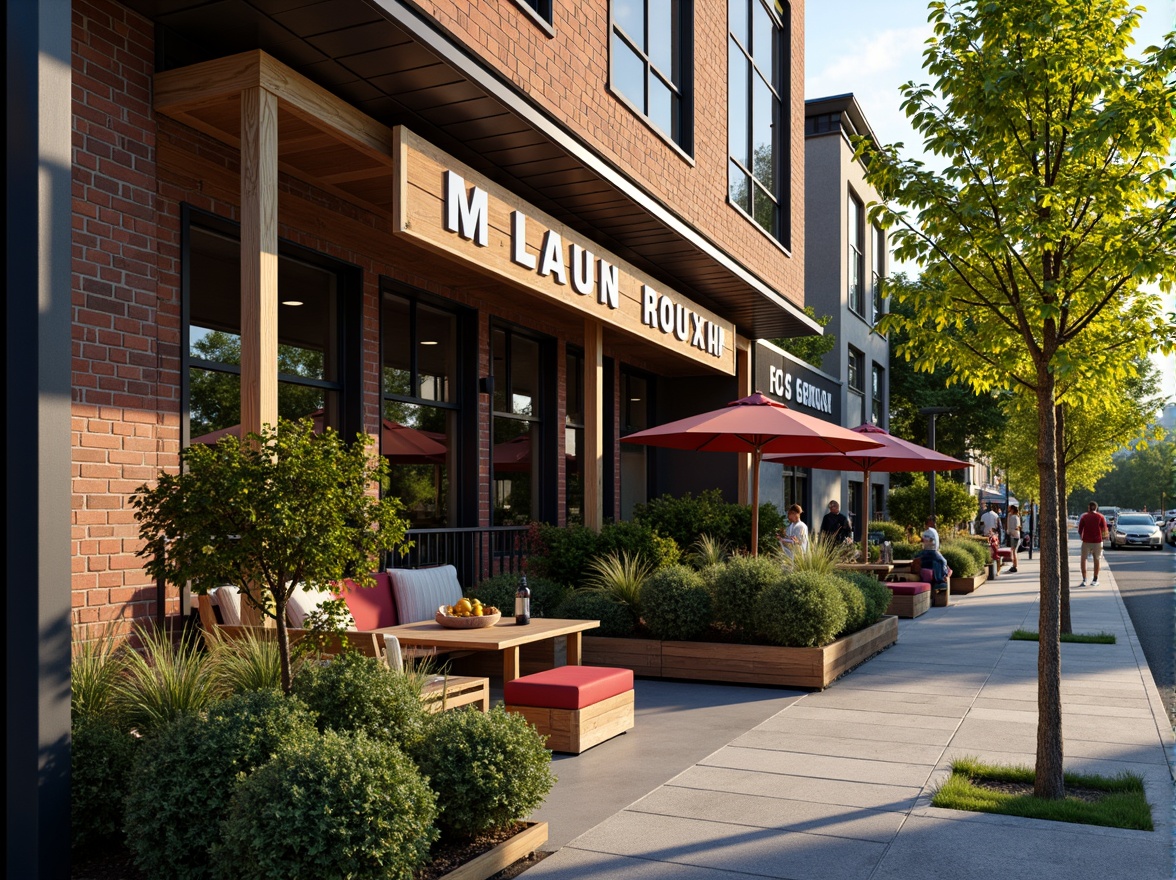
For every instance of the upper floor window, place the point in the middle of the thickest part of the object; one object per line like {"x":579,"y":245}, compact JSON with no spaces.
{"x":855,"y":233}
{"x":757,"y":66}
{"x":541,"y":9}
{"x":651,"y":62}
{"x":876,"y":393}
{"x":856,"y":370}
{"x":879,"y":272}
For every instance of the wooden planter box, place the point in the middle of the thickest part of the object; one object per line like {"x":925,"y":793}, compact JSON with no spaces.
{"x":502,"y":856}
{"x":960,"y":586}
{"x":815,"y":668}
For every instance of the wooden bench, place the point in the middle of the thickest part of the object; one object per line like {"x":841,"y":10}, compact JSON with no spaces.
{"x":909,"y":598}
{"x":574,"y":707}
{"x":454,"y":691}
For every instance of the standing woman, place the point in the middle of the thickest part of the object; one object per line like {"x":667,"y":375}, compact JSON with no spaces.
{"x":1013,"y":529}
{"x":794,"y":539}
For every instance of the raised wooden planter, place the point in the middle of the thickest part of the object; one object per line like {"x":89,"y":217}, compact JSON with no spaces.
{"x":743,"y":664}
{"x":960,"y":586}
{"x":503,"y":855}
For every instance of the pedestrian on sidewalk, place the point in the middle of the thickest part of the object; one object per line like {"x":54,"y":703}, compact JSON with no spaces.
{"x":1013,"y":530}
{"x":1092,"y":530}
{"x":835,"y":526}
{"x":794,"y":537}
{"x":989,"y":522}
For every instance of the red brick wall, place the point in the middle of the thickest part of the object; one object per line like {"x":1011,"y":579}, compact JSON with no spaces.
{"x":568,"y":75}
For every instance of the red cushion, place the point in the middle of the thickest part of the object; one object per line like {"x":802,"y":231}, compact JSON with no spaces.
{"x":910,"y":588}
{"x":372,"y":607}
{"x":568,"y":687}
{"x":1005,"y":552}
{"x":927,"y":574}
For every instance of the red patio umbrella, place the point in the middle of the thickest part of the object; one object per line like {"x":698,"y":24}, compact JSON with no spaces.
{"x":755,"y":424}
{"x":894,"y":454}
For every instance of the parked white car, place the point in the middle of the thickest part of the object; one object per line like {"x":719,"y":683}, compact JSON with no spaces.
{"x":1136,"y":530}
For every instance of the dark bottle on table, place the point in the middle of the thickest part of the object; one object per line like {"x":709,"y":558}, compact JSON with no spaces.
{"x":523,"y":603}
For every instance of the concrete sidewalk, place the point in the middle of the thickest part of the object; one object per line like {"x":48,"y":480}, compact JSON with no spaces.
{"x":836,"y":785}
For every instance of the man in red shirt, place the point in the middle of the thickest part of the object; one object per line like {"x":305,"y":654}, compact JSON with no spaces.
{"x":1092,"y":529}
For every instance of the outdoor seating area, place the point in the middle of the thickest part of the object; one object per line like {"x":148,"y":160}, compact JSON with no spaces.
{"x":574,"y":707}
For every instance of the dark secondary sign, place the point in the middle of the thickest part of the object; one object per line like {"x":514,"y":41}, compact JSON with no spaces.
{"x":793,"y":382}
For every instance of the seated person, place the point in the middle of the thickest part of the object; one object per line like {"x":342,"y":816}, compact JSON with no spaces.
{"x":931,"y":558}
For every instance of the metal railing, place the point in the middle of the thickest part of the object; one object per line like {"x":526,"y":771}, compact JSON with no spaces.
{"x":476,"y":552}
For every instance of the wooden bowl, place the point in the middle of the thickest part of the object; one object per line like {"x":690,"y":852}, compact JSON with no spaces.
{"x":467,"y":622}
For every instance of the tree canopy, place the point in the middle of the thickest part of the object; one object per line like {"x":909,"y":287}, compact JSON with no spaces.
{"x":1040,"y":237}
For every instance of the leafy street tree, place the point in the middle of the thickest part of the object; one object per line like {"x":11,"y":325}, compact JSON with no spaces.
{"x":810,"y":349}
{"x":1038,"y":239}
{"x":1089,"y":433}
{"x":1143,"y":477}
{"x":909,"y":506}
{"x":284,"y":509}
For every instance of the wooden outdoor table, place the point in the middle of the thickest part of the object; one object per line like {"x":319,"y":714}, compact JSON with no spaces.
{"x":878,"y":569}
{"x":505,"y":636}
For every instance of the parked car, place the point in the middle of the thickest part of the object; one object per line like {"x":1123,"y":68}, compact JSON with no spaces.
{"x":1172,"y":532}
{"x":1136,"y":530}
{"x":1110,"y":514}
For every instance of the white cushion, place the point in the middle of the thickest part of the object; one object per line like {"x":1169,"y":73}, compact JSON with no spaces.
{"x":228,"y":600}
{"x":419,"y":592}
{"x":392,"y":652}
{"x":305,"y":600}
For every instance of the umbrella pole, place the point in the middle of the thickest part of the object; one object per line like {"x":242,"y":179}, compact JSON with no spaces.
{"x":866,"y":522}
{"x":755,"y":465}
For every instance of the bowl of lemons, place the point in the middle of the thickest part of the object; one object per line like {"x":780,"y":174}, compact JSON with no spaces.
{"x":468,"y":614}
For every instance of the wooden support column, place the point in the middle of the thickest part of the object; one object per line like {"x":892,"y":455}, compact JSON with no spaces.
{"x":593,"y":451}
{"x":259,"y":259}
{"x":743,"y":389}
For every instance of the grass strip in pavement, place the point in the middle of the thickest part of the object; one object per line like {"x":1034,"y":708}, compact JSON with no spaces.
{"x":1028,"y":635}
{"x":1112,"y":801}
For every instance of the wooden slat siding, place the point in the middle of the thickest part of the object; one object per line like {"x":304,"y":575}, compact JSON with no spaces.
{"x":420,"y":215}
{"x":593,"y":403}
{"x":259,"y":259}
{"x":968,"y":585}
{"x":643,"y":656}
{"x":574,"y":730}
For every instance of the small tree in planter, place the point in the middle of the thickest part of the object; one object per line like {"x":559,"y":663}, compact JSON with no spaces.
{"x":285,"y":508}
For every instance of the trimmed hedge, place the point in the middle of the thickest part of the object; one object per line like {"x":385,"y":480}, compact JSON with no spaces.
{"x":185,"y":776}
{"x":499,"y":591}
{"x":687,"y":517}
{"x":855,"y":606}
{"x":101,"y":758}
{"x":963,"y":563}
{"x":978,"y":550}
{"x":737,"y":587}
{"x":676,"y":604}
{"x":874,"y":592}
{"x":562,"y":553}
{"x":357,"y":693}
{"x":615,"y":619}
{"x":892,"y":532}
{"x":489,"y":769}
{"x":335,"y":805}
{"x":804,"y":609}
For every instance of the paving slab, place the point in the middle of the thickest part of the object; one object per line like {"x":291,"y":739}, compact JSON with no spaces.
{"x":832,"y":744}
{"x":819,"y":766}
{"x":837,"y":792}
{"x":889,"y":733}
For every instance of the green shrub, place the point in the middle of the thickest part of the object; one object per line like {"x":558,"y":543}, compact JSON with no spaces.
{"x":184,"y":777}
{"x":911,"y":505}
{"x":801,"y":610}
{"x":356,"y":693}
{"x":616,"y":620}
{"x":250,"y":663}
{"x":489,"y":769}
{"x":686,"y":518}
{"x":707,"y":551}
{"x":339,"y":805}
{"x":638,"y":539}
{"x":907,"y":550}
{"x":891,"y":531}
{"x":855,"y":606}
{"x":620,"y":577}
{"x":677,"y":604}
{"x":978,"y":550}
{"x":874,"y":593}
{"x":101,"y":757}
{"x":963,"y":563}
{"x":737,"y":588}
{"x":565,"y":554}
{"x":95,"y":670}
{"x":499,"y":591}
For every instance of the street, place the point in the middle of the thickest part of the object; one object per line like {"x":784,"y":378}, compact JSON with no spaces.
{"x":1147,"y":582}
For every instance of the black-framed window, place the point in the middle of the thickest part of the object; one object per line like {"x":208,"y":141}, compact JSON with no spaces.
{"x":879,"y":308}
{"x":651,"y":62}
{"x":574,"y":439}
{"x":855,"y":269}
{"x":318,"y":333}
{"x":877,"y":393}
{"x":636,"y":415}
{"x":520,"y":492}
{"x":855,"y":508}
{"x":856,"y":370}
{"x":540,"y":9}
{"x":420,"y":366}
{"x":757,"y":129}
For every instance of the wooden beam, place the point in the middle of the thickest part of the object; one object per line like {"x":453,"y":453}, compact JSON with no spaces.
{"x":593,"y":451}
{"x":259,"y":259}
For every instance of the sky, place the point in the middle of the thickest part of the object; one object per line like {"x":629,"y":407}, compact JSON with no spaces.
{"x":872,"y":48}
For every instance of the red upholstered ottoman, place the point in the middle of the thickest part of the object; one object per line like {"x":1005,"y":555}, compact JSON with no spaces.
{"x":575,"y":707}
{"x":909,"y":599}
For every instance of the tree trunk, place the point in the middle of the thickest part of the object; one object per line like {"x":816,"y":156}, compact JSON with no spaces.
{"x":1063,"y":527}
{"x":283,"y":644}
{"x":1048,"y":782}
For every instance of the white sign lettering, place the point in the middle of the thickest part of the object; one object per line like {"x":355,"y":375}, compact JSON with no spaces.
{"x":782,"y":384}
{"x":468,"y":218}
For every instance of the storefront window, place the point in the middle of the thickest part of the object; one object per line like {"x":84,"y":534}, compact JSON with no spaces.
{"x":517,"y":428}
{"x":574,"y":440}
{"x":419,"y":355}
{"x":309,"y":336}
{"x":636,"y":408}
